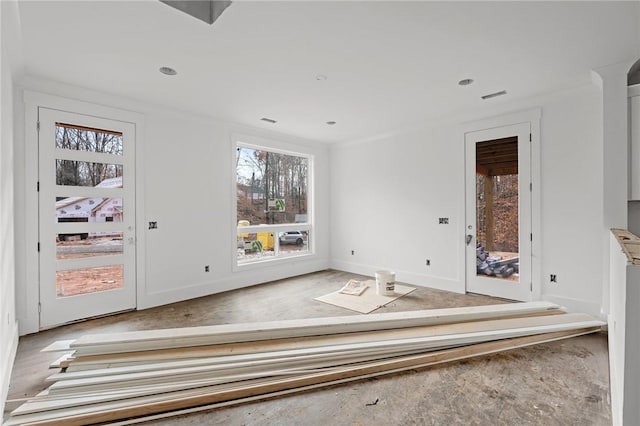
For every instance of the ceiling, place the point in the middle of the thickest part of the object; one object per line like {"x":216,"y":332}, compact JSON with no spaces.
{"x":387,"y":64}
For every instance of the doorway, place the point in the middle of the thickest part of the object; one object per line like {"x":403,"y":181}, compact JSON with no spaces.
{"x":498,"y":212}
{"x":86,"y":206}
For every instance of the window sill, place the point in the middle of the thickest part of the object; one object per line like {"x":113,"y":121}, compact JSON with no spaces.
{"x":267,"y":262}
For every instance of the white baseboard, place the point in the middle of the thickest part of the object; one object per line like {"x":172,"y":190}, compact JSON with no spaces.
{"x":233,"y":282}
{"x":421,"y":280}
{"x":8,"y":357}
{"x":576,"y":305}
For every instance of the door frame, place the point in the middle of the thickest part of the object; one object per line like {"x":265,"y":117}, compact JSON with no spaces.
{"x":532,"y":117}
{"x":28,"y":312}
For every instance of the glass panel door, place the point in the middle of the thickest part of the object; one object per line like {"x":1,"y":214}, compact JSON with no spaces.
{"x":498,"y":212}
{"x":86,"y":203}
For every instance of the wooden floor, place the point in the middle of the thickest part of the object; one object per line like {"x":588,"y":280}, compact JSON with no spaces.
{"x":559,"y":383}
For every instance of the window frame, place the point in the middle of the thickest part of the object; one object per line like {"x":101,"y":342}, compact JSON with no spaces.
{"x":256,"y":143}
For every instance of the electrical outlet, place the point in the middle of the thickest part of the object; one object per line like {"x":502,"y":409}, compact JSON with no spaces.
{"x":553,"y":278}
{"x":428,"y":262}
{"x":353,"y":252}
{"x":206,"y":268}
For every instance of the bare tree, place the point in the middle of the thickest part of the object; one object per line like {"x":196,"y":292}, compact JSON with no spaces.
{"x":81,"y":173}
{"x":280,"y":176}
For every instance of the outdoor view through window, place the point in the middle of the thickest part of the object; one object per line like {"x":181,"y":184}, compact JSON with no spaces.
{"x":90,"y":209}
{"x":272,"y":191}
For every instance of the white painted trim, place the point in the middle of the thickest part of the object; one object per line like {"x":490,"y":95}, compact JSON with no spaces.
{"x":9,"y":356}
{"x":27,"y":314}
{"x":271,"y":228}
{"x":527,"y":116}
{"x":91,"y":157}
{"x":536,"y":204}
{"x":140,"y":220}
{"x":576,"y":305}
{"x":486,"y":332}
{"x":73,"y":106}
{"x":233,"y":193}
{"x":453,"y":320}
{"x":291,"y":391}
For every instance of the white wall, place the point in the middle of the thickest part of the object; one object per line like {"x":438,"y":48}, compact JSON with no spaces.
{"x":387,"y":196}
{"x":186,"y":168}
{"x":631,"y":408}
{"x":617,"y":327}
{"x":8,"y":325}
{"x":572,"y":204}
{"x":634,"y":217}
{"x":624,"y":339}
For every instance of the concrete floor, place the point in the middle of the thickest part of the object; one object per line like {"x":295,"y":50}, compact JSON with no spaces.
{"x":559,"y":383}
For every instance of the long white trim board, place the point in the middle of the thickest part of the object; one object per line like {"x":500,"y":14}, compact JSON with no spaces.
{"x":227,"y":333}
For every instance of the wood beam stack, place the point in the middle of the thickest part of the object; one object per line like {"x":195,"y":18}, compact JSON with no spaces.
{"x":111,"y":377}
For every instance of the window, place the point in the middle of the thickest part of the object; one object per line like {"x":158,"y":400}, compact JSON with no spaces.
{"x":272,"y":204}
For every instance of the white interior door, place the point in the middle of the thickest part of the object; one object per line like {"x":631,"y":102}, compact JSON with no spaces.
{"x":86,"y":216}
{"x":498,"y":212}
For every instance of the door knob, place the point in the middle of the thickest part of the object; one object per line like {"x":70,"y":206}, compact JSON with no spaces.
{"x":469,"y":238}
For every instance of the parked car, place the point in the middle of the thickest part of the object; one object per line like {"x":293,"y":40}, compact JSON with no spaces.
{"x":292,"y":237}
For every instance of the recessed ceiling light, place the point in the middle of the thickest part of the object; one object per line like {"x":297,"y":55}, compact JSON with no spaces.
{"x":465,"y":82}
{"x":321,"y":77}
{"x":331,"y":123}
{"x":168,"y":71}
{"x":268,"y":120}
{"x":493,"y":95}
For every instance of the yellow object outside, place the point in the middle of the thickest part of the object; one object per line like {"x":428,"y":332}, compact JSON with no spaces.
{"x":266,"y":238}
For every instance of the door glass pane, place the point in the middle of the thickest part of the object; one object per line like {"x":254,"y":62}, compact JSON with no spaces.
{"x":74,"y":282}
{"x":89,"y":209}
{"x":83,"y":173}
{"x":79,"y":138}
{"x":497,"y":226}
{"x":89,"y":244}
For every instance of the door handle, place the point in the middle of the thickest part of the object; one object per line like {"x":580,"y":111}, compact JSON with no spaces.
{"x":469,"y":239}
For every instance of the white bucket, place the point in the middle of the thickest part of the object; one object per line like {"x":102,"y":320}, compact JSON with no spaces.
{"x":385,"y":283}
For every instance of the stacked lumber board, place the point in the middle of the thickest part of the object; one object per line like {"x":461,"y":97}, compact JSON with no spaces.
{"x":630,"y":244}
{"x":123,"y":376}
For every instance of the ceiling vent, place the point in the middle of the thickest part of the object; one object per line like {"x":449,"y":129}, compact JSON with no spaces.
{"x":204,"y":10}
{"x":493,"y":95}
